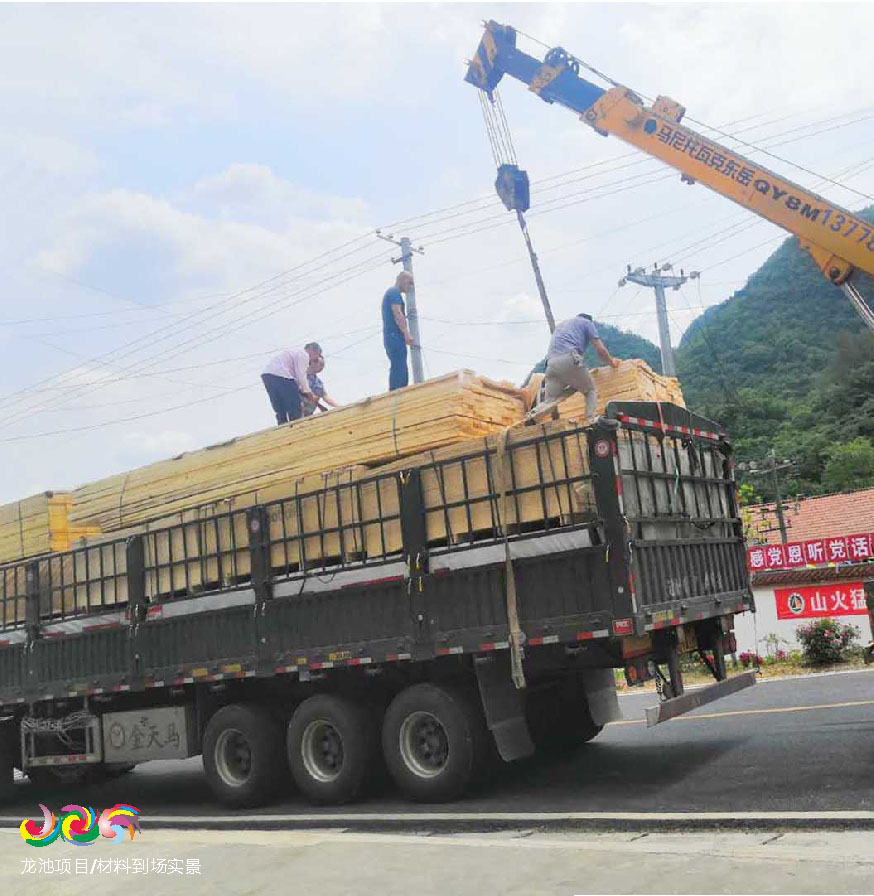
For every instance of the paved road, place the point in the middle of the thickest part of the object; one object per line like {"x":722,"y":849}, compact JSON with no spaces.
{"x":797,"y":745}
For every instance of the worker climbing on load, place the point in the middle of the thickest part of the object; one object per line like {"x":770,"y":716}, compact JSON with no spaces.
{"x":395,"y":331}
{"x":566,"y":371}
{"x":322,"y":400}
{"x":287,"y":382}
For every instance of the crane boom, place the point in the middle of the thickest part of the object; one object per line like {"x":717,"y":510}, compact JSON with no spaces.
{"x":838,"y":240}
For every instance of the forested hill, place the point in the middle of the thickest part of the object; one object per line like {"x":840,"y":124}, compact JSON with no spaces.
{"x":622,"y":344}
{"x":787,"y":363}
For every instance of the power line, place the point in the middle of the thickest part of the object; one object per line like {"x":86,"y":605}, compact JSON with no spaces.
{"x":268,"y":285}
{"x":118,"y":422}
{"x":88,"y":314}
{"x":710,"y":127}
{"x":441,"y":351}
{"x":223,"y":330}
{"x":788,"y":162}
{"x":150,"y":361}
{"x":622,"y":184}
{"x":371,"y":332}
{"x":540,"y":184}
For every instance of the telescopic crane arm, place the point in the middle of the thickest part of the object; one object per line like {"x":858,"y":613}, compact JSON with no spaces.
{"x":838,"y":240}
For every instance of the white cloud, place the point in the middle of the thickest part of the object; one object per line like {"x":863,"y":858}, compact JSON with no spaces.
{"x":253,"y":224}
{"x":255,"y":194}
{"x":48,"y":154}
{"x":521,"y":306}
{"x":741,"y":58}
{"x":161,"y":153}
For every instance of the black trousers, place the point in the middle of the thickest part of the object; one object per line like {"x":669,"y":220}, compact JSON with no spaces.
{"x":398,"y":375}
{"x":284,"y":397}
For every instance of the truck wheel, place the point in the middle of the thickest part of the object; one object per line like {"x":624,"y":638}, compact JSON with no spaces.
{"x":332,"y":746}
{"x":435,"y":741}
{"x":242,"y":755}
{"x":559,"y":717}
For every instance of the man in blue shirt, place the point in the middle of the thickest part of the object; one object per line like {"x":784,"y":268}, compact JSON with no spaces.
{"x":566,"y":372}
{"x":317,"y":387}
{"x":395,"y":332}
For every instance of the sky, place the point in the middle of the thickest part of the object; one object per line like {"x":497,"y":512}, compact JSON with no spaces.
{"x":186,"y":189}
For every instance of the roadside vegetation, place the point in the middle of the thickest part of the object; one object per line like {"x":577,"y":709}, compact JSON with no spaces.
{"x":826,"y":645}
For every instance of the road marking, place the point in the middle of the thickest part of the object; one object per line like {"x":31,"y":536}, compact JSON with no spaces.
{"x":753,"y":712}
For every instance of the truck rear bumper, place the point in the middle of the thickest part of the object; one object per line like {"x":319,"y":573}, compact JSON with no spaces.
{"x":676,"y":706}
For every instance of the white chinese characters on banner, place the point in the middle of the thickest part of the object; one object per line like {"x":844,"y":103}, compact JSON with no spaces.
{"x":815,"y":601}
{"x":815,"y":552}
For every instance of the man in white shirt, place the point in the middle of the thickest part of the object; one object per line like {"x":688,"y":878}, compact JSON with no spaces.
{"x":285,"y":379}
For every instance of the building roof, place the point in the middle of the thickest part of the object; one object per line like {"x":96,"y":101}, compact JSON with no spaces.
{"x":854,"y":572}
{"x":845,"y":513}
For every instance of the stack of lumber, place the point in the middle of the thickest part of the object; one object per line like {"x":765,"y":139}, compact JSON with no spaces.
{"x":37,"y":525}
{"x":633,"y":380}
{"x":353,"y":514}
{"x":331,"y":485}
{"x":470,"y":476}
{"x":439,"y":412}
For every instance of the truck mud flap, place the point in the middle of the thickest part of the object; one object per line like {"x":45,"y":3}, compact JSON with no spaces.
{"x":504,"y":707}
{"x":676,"y":706}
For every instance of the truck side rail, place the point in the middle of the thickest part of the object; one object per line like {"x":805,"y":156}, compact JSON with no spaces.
{"x":345,"y":526}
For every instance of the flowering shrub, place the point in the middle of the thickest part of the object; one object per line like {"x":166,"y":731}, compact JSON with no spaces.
{"x":748,"y":658}
{"x":825,"y":640}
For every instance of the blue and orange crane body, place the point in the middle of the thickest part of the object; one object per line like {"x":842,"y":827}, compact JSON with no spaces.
{"x":838,"y":240}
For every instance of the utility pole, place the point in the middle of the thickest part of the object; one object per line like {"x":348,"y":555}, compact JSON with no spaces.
{"x":406,"y":259}
{"x":772,"y":468}
{"x":658,"y":281}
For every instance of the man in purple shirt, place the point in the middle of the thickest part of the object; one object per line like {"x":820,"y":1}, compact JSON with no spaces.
{"x":285,"y":379}
{"x":566,"y":372}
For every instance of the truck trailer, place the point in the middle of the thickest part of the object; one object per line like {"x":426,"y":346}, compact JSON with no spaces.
{"x":421,"y":620}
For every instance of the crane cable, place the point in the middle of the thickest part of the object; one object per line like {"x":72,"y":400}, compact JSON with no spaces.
{"x":504,"y":155}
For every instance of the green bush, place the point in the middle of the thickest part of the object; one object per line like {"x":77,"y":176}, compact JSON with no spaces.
{"x":825,"y":641}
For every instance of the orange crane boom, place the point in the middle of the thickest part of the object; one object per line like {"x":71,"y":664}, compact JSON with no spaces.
{"x":838,"y":240}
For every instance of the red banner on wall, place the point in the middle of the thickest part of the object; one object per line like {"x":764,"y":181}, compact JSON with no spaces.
{"x":815,"y":601}
{"x":816,"y":552}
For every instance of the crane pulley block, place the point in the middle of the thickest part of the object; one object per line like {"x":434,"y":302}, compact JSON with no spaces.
{"x":513,"y":188}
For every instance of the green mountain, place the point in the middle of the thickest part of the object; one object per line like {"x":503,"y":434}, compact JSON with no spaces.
{"x":621,"y":344}
{"x":787,"y":364}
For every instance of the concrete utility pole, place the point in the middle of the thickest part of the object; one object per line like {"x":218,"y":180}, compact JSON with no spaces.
{"x":406,"y":259}
{"x":658,"y":281}
{"x":772,"y":468}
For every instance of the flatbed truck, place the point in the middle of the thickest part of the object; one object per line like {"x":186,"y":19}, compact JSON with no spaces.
{"x":430,"y":658}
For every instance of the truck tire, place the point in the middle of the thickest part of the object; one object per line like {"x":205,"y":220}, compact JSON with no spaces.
{"x":435,"y":741}
{"x":559,"y":717}
{"x":332,"y":746}
{"x":243,"y":755}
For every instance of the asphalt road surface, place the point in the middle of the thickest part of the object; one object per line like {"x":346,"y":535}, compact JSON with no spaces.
{"x":803,"y":744}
